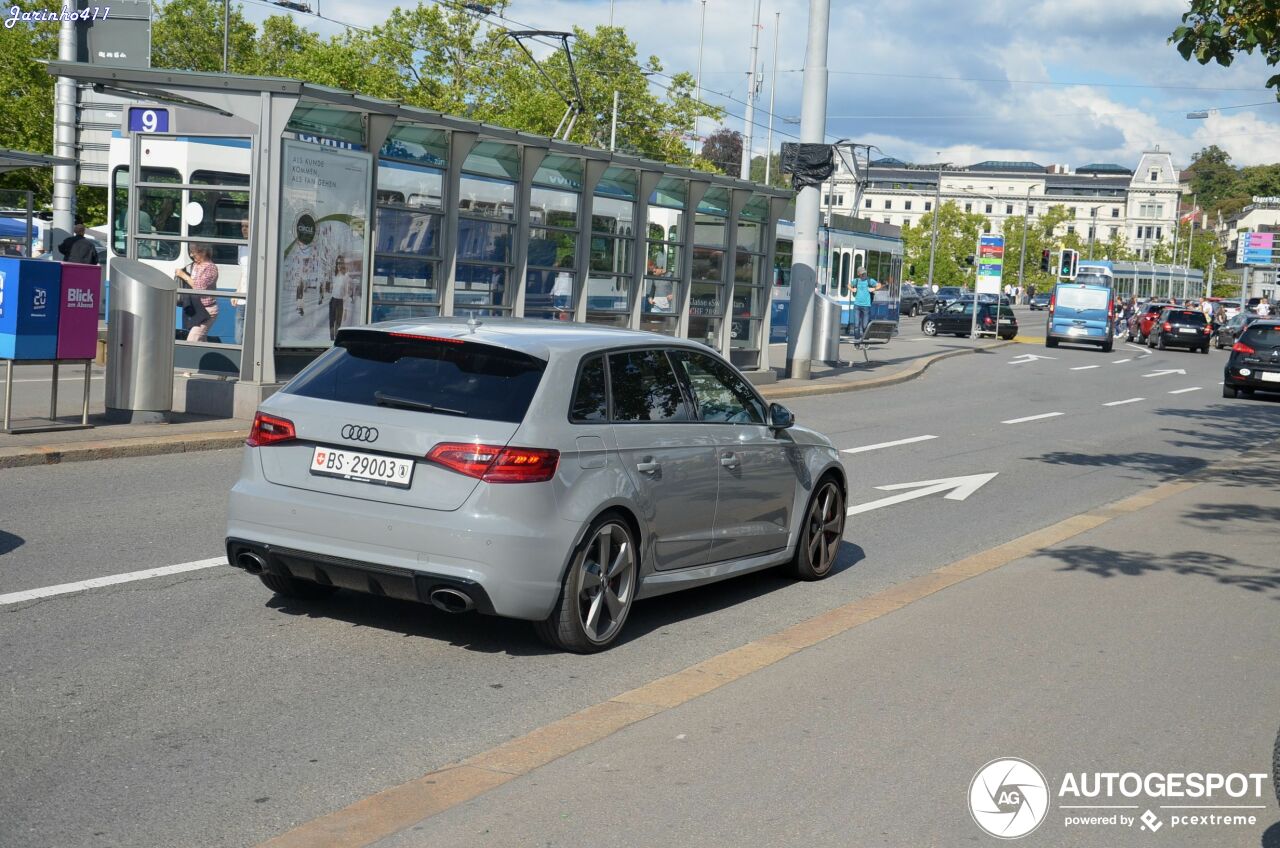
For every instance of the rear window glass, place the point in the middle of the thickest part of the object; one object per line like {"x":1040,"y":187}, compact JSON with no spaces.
{"x":1074,"y":298}
{"x":1266,"y":335}
{"x":1186,"y":316}
{"x":590,"y":398}
{"x":466,"y":379}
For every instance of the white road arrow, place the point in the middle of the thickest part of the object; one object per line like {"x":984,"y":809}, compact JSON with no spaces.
{"x":957,"y":489}
{"x":1023,"y":359}
{"x":1166,"y":371}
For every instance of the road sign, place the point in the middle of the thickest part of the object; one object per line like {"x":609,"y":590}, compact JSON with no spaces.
{"x":990,"y":264}
{"x":1259,"y":249}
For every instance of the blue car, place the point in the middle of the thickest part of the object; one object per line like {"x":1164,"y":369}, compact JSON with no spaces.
{"x":1081,"y":313}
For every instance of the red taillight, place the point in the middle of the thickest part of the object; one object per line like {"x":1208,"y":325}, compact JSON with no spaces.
{"x":269,"y":430}
{"x":1167,"y":327}
{"x":420,"y":338}
{"x":1208,"y":330}
{"x":1241,"y":347}
{"x":986,"y":319}
{"x":1051,"y":300}
{"x":496,"y":464}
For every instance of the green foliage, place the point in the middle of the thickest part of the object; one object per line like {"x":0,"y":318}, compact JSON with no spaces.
{"x":26,"y":121}
{"x":1217,"y":30}
{"x":187,"y":35}
{"x":957,"y":240}
{"x":723,"y":148}
{"x":777,"y":179}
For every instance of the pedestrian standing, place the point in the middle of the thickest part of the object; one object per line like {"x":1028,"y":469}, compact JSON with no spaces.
{"x":337,"y":295}
{"x":1264,"y":307}
{"x":202,"y":276}
{"x":865,"y":287}
{"x":77,"y":248}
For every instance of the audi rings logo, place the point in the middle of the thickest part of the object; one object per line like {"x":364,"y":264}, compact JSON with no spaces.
{"x":1008,"y":798}
{"x":356,"y":433}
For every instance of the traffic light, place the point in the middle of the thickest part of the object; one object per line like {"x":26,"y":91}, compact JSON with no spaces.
{"x":1068,"y":260}
{"x":1046,"y":260}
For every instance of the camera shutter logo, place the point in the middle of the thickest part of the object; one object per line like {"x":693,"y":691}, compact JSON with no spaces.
{"x":356,"y":433}
{"x":1008,"y":798}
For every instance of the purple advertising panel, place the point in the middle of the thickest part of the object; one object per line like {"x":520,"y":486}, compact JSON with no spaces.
{"x":78,"y":311}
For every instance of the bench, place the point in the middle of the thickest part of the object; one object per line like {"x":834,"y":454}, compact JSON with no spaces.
{"x":878,"y":333}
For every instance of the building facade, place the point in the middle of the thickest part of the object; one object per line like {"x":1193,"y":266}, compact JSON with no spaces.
{"x":1104,"y":200}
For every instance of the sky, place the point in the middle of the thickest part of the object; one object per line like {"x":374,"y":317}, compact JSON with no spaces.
{"x":1052,"y":81}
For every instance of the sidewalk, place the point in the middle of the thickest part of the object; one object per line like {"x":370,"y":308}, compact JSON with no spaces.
{"x":904,"y":358}
{"x":1143,"y":640}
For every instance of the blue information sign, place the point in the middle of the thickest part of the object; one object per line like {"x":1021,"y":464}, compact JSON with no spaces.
{"x":143,"y":120}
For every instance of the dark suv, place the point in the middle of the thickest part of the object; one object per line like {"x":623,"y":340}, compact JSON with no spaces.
{"x":1178,"y":327}
{"x":1255,"y":360}
{"x":947,"y":294}
{"x":957,"y":318}
{"x":916,"y":299}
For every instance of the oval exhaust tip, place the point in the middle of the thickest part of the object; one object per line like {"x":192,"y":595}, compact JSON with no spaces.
{"x":251,"y":562}
{"x":451,"y":600}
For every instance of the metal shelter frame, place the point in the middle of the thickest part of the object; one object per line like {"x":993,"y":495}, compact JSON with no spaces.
{"x":260,"y":108}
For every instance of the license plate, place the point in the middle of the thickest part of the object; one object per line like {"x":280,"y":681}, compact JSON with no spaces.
{"x":362,"y":467}
{"x":1187,"y":330}
{"x":1270,"y":376}
{"x":1077,"y":331}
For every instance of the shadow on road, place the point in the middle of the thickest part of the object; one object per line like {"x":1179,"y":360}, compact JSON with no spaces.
{"x":10,"y":542}
{"x":1221,"y":569}
{"x":492,"y":635}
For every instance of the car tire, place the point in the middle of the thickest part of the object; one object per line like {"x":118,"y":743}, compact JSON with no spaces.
{"x":1205,"y":349}
{"x":577,"y":623}
{"x":821,"y":532}
{"x":292,"y":587}
{"x":1050,"y":342}
{"x":1229,"y":391}
{"x":929,"y":327}
{"x":1107,"y":347}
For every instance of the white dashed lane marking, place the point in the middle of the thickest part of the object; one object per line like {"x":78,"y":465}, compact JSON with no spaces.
{"x":1123,"y":402}
{"x":912,"y":440}
{"x":110,"y":580}
{"x":1032,"y":418}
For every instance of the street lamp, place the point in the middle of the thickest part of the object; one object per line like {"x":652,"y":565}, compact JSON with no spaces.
{"x":1093,"y":228}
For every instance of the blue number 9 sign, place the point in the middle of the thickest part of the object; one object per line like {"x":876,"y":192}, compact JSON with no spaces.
{"x":148,"y":120}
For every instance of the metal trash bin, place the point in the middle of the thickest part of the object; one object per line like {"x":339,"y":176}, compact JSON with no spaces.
{"x":826,"y":329}
{"x":140,"y":336}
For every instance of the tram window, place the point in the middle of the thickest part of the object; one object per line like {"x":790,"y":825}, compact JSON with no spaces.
{"x":846,"y":261}
{"x":120,"y":210}
{"x":160,"y":204}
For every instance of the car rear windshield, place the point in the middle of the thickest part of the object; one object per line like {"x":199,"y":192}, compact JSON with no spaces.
{"x":423,"y":374}
{"x":1081,"y":299}
{"x":1185,"y":316}
{"x":1267,"y":335}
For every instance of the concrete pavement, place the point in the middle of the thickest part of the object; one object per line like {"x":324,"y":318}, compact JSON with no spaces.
{"x":1143,"y":641}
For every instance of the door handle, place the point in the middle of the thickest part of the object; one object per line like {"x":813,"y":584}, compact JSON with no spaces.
{"x":648,"y":465}
{"x":729,"y":460}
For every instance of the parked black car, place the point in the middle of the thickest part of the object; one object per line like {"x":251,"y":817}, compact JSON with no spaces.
{"x":947,"y":294}
{"x":1180,"y":327}
{"x":1228,"y":331}
{"x":1254,"y":363}
{"x":908,"y":301}
{"x":957,"y":318}
{"x":1040,"y":300}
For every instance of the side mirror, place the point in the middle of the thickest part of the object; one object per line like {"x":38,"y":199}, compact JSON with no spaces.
{"x":780,"y":418}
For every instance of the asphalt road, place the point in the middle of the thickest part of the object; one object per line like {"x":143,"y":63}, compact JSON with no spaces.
{"x":198,"y":710}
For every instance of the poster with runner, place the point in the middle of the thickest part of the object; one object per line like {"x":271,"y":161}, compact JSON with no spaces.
{"x":324,"y":258}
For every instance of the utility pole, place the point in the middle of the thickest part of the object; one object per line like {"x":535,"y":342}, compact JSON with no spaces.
{"x":773,"y":93}
{"x":613,"y":125}
{"x":226,"y":17}
{"x":1022,"y":254}
{"x":1093,"y":229}
{"x":64,"y":140}
{"x":697,"y":90}
{"x":813,"y":130}
{"x":745,"y":170}
{"x":933,"y":240}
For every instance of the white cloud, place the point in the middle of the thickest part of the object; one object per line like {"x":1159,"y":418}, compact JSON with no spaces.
{"x":899,"y":49}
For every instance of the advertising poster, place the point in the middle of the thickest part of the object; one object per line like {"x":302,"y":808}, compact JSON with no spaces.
{"x":324,"y":219}
{"x":990,"y":264}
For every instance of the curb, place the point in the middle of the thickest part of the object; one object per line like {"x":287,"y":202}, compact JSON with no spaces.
{"x":909,"y":373}
{"x":19,"y":457}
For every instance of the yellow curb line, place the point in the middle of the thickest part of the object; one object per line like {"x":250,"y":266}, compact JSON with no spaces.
{"x":399,"y":807}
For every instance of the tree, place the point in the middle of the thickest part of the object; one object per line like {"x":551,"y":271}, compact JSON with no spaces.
{"x":26,"y":122}
{"x":723,"y":148}
{"x":777,"y":179}
{"x":1043,"y":233}
{"x":1216,"y":30}
{"x":1213,"y":179}
{"x":187,"y":35}
{"x":957,"y":240}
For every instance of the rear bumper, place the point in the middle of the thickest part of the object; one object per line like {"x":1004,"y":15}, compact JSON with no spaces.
{"x":510,"y":559}
{"x":1232,"y":378}
{"x":371,"y":578}
{"x":1180,"y":340}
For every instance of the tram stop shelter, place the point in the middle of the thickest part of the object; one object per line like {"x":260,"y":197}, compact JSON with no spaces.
{"x":308,"y":194}
{"x":16,"y":227}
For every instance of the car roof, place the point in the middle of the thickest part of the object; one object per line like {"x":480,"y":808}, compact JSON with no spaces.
{"x":536,"y":337}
